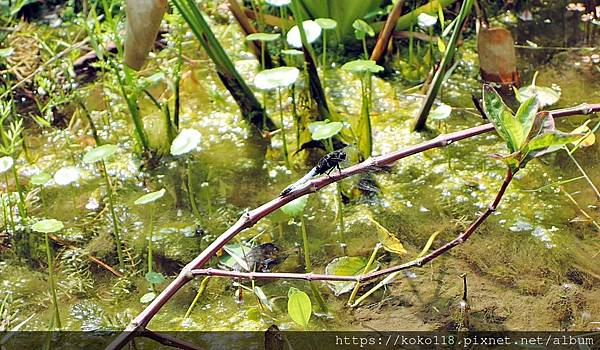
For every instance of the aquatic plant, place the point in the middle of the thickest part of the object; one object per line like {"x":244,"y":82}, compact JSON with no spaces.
{"x":100,"y":154}
{"x":276,"y":79}
{"x":151,"y":276}
{"x":184,"y":143}
{"x":47,"y":226}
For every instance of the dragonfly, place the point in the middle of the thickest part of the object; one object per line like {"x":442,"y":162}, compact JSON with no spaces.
{"x":335,"y":160}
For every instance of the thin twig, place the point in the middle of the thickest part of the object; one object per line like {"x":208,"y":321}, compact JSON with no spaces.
{"x":250,"y":218}
{"x":169,"y":341}
{"x":386,"y":33}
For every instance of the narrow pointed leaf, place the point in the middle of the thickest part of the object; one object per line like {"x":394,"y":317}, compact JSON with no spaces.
{"x":526,"y":115}
{"x":507,"y":126}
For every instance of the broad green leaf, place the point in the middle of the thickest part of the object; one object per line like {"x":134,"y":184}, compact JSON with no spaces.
{"x":346,"y":266}
{"x":296,"y":207}
{"x":237,"y":256}
{"x":362,"y":29}
{"x":275,"y":78}
{"x":154,"y":277}
{"x":99,"y":153}
{"x":47,"y":226}
{"x":326,"y":23}
{"x":549,"y":142}
{"x":442,"y":112}
{"x":526,"y":115}
{"x":6,"y":163}
{"x":299,"y":307}
{"x":507,"y":126}
{"x":389,"y":241}
{"x":263,"y":37}
{"x":362,"y":66}
{"x":186,"y":141}
{"x":147,"y":298}
{"x":40,"y":179}
{"x":323,"y":131}
{"x":150,"y":197}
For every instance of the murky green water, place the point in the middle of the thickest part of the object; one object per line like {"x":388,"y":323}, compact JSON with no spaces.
{"x":533,"y":265}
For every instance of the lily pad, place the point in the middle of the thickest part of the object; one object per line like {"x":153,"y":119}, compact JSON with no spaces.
{"x":279,"y":77}
{"x":292,"y":52}
{"x":278,"y":3}
{"x":295,"y":207}
{"x":40,"y":179}
{"x":6,"y":163}
{"x":324,"y":130}
{"x":150,"y":197}
{"x":185,"y":142}
{"x":442,"y":112}
{"x":299,"y":307}
{"x":66,"y":175}
{"x":426,"y":20}
{"x":326,"y":23}
{"x":362,"y":29}
{"x":346,"y":266}
{"x":312,"y":30}
{"x":154,"y":277}
{"x":48,"y":226}
{"x":546,"y":96}
{"x":362,"y":66}
{"x":99,"y":153}
{"x":263,"y":37}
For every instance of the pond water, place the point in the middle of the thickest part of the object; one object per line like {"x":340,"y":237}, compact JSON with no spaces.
{"x":532,"y":265}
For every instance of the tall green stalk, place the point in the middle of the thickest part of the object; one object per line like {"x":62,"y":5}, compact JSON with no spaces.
{"x":115,"y":220}
{"x":285,"y":148}
{"x":438,"y":78}
{"x":51,"y":280}
{"x":233,"y":81}
{"x":130,"y":100}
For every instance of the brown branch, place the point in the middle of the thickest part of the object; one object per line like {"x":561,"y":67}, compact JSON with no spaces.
{"x":168,"y":340}
{"x":369,"y":276}
{"x":386,"y":33}
{"x":251,"y":217}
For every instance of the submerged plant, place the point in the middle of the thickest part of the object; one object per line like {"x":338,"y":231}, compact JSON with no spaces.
{"x":50,"y":226}
{"x":100,"y":154}
{"x":276,"y":79}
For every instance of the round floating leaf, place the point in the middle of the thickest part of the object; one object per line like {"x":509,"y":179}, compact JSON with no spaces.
{"x":292,"y":52}
{"x":6,"y":164}
{"x":299,"y":307}
{"x":147,"y":298}
{"x":442,"y":112}
{"x":295,"y":207}
{"x":362,"y":29}
{"x":324,"y":130}
{"x":346,"y":266}
{"x":150,"y":197}
{"x":546,"y":96}
{"x":312,"y":30}
{"x":99,"y":153}
{"x":263,"y":37}
{"x":47,"y":226}
{"x":362,"y":66}
{"x":40,"y":179}
{"x":426,"y":20}
{"x":279,"y":77}
{"x":66,"y":175}
{"x":326,"y":23}
{"x":185,"y":142}
{"x":278,"y":3}
{"x":154,"y":277}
